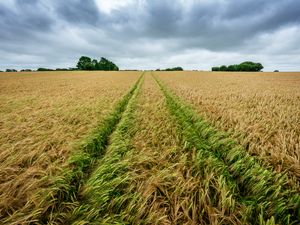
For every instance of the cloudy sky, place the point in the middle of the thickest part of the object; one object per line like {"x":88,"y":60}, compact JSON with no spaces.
{"x":150,"y":34}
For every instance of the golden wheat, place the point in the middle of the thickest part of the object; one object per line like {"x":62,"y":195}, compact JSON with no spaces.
{"x":157,"y":159}
{"x":261,"y":110}
{"x":42,"y":117}
{"x":166,"y":177}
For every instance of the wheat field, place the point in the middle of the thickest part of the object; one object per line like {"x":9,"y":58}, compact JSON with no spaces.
{"x":261,"y":110}
{"x":42,"y":117}
{"x":149,"y":148}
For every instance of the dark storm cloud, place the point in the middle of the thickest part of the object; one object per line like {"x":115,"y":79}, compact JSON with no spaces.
{"x":140,"y":33}
{"x":23,"y":19}
{"x":162,"y":20}
{"x":261,"y":16}
{"x":78,"y":11}
{"x":217,"y":26}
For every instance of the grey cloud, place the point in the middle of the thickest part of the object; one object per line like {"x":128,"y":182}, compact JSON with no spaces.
{"x":26,"y":18}
{"x":78,"y":11}
{"x":162,"y":18}
{"x":208,"y":24}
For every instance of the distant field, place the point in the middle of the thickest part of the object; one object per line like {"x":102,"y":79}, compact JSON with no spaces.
{"x":149,"y":148}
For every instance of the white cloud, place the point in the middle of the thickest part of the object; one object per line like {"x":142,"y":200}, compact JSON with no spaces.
{"x":283,"y":40}
{"x":107,"y":6}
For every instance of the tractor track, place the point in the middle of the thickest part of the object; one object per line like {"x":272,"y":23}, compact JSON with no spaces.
{"x":63,"y":196}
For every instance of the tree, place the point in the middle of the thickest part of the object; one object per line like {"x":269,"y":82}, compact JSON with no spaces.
{"x":223,"y":68}
{"x":259,"y":67}
{"x":215,"y":68}
{"x":244,"y":66}
{"x":11,"y":70}
{"x":94,"y":64}
{"x":105,"y":64}
{"x":85,"y":63}
{"x":250,"y":66}
{"x":44,"y":69}
{"x":232,"y":68}
{"x":178,"y":68}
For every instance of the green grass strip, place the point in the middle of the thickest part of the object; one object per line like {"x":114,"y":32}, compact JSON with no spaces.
{"x":66,"y":187}
{"x":105,"y":193}
{"x":265,"y":192}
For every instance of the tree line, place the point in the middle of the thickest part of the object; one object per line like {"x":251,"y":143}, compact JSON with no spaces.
{"x":172,"y":69}
{"x":40,"y":69}
{"x":86,"y":63}
{"x":244,"y":66}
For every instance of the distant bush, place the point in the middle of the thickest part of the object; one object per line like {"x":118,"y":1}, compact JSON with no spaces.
{"x":233,"y":68}
{"x":276,"y":71}
{"x":175,"y":69}
{"x":86,"y":63}
{"x":171,"y":69}
{"x":26,"y":70}
{"x":11,"y":70}
{"x":244,"y":66}
{"x":44,"y":69}
{"x":250,"y":66}
{"x":223,"y":68}
{"x":61,"y":69}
